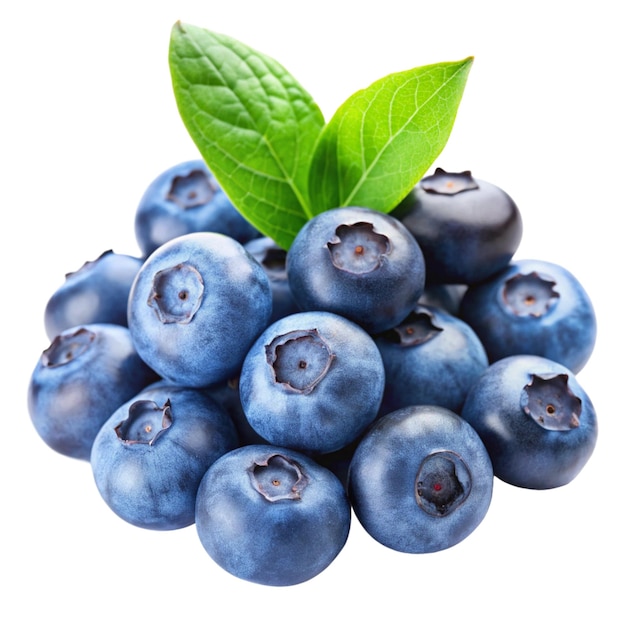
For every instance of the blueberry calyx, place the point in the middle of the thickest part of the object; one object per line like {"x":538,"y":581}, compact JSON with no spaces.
{"x":192,"y":190}
{"x":85,"y":266}
{"x":146,"y":421}
{"x":448,"y":183}
{"x":416,"y":329}
{"x":442,"y":484}
{"x":550,"y":401}
{"x":529,"y":295}
{"x":176,"y":294}
{"x":67,"y":347}
{"x":274,"y":261}
{"x":278,"y":478}
{"x":299,"y":359}
{"x":357,"y":248}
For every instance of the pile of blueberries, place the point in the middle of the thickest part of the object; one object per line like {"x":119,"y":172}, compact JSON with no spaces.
{"x":390,"y":365}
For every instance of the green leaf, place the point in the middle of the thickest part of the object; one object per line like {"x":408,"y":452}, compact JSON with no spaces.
{"x":382,"y":140}
{"x":253,"y":124}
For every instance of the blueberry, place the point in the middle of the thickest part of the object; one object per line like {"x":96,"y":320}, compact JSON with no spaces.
{"x":186,"y":198}
{"x":313,"y":381}
{"x":273,"y":260}
{"x":150,"y":455}
{"x":432,"y":357}
{"x":533,"y":307}
{"x":272,"y":516}
{"x":420,"y":480}
{"x":95,"y":293}
{"x":85,"y":374}
{"x":358,"y":263}
{"x":196,"y":306}
{"x":468,"y":229}
{"x":535,"y":419}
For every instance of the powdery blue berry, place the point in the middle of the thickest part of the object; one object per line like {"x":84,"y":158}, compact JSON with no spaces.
{"x":432,"y":357}
{"x":96,"y":293}
{"x":313,"y":381}
{"x":271,"y":516}
{"x":420,"y":480}
{"x":186,"y":198}
{"x":150,"y":455}
{"x":357,"y":263}
{"x":196,"y":306}
{"x":85,"y":374}
{"x":537,"y":422}
{"x":533,"y":307}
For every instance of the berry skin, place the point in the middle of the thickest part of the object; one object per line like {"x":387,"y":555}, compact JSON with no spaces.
{"x":95,"y":293}
{"x":420,"y":480}
{"x":273,"y":260}
{"x":432,"y":357}
{"x":358,"y":263}
{"x":313,"y":381}
{"x":186,"y":198}
{"x":533,"y":307}
{"x":85,"y":374}
{"x":468,"y":229}
{"x":535,"y":419}
{"x":196,"y":306}
{"x":271,"y":516}
{"x":150,"y":455}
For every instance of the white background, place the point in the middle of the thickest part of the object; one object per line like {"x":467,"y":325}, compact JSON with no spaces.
{"x":88,"y":119}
